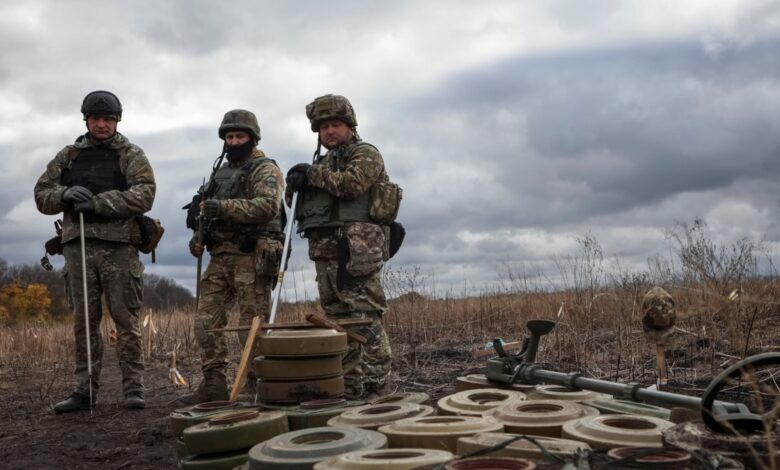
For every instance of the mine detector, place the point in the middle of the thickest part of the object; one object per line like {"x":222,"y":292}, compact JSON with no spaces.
{"x":719,"y":416}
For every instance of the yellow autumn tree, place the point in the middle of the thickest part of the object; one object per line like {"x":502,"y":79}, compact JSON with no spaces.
{"x":24,"y":303}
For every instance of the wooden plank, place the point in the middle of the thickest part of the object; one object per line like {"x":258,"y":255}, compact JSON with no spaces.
{"x":320,"y":320}
{"x":293,"y":325}
{"x":479,"y":352}
{"x":238,"y":384}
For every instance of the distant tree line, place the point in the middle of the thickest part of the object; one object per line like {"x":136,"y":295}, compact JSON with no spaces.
{"x":30,"y":292}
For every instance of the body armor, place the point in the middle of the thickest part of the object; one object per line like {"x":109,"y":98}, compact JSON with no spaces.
{"x":98,"y":170}
{"x":231,"y":183}
{"x":320,"y":209}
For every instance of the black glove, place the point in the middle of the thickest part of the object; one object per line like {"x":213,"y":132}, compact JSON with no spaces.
{"x":296,"y":176}
{"x":76,"y":194}
{"x":85,"y":206}
{"x":211,"y":208}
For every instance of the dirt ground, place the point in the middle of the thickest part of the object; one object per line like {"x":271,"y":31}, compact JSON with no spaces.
{"x":32,"y":436}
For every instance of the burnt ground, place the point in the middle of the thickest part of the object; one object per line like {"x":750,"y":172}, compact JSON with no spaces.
{"x":33,"y":436}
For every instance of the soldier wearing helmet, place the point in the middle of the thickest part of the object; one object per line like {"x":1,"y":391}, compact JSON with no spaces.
{"x":346,"y":243}
{"x":241,"y":207}
{"x":109,"y":180}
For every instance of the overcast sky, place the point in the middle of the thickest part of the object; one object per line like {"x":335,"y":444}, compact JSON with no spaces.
{"x":513,"y":127}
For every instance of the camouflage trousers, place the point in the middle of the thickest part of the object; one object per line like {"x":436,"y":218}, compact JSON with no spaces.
{"x":366,"y":366}
{"x":229,"y":278}
{"x":114,"y":272}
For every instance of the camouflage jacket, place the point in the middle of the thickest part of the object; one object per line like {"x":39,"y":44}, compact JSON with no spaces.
{"x":114,"y":204}
{"x":266,"y":186}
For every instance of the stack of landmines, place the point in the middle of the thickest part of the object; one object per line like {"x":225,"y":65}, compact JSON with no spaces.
{"x":302,"y":364}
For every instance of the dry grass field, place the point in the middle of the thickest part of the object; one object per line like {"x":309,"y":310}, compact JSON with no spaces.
{"x":598,"y":332}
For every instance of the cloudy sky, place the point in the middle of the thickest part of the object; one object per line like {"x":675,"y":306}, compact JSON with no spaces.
{"x":513,"y":127}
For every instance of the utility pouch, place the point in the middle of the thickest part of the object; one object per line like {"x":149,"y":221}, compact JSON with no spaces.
{"x":384,"y":202}
{"x":145,"y":234}
{"x":268,"y":256}
{"x":366,"y":248}
{"x":396,"y":238}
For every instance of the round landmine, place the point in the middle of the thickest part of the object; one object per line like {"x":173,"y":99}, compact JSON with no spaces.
{"x":182,"y":418}
{"x":538,"y":417}
{"x":628,"y":407}
{"x":314,"y":413}
{"x":272,"y":368}
{"x":386,"y":459}
{"x":610,"y":431}
{"x":557,"y":392}
{"x":402,"y":397}
{"x":239,"y":430}
{"x":490,"y":463}
{"x":650,"y":457}
{"x":436,"y":432}
{"x":298,"y":343}
{"x":694,"y":436}
{"x":298,"y":391}
{"x":302,"y":449}
{"x":521,"y":447}
{"x":374,"y":416}
{"x":476,"y":402}
{"x":472,"y":381}
{"x":221,"y":461}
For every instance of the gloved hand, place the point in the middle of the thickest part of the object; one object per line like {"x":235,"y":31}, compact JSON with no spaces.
{"x":196,"y":249}
{"x":211,"y":208}
{"x":76,"y":194}
{"x":85,"y":206}
{"x":296,"y":176}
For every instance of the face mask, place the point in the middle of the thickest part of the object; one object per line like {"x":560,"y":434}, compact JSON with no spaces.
{"x":235,"y":153}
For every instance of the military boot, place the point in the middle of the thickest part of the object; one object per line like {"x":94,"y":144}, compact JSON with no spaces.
{"x":75,"y":402}
{"x":212,"y":388}
{"x":134,"y":401}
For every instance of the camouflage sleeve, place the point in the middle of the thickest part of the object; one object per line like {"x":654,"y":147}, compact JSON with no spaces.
{"x":48,"y":190}
{"x":267,"y":186}
{"x":363,"y":169}
{"x":139,"y":196}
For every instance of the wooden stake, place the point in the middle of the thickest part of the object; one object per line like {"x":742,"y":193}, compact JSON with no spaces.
{"x":238,"y":384}
{"x":319,"y":320}
{"x":660,"y":362}
{"x":149,"y":339}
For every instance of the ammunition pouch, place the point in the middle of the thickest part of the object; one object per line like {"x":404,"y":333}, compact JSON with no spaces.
{"x":384,"y":202}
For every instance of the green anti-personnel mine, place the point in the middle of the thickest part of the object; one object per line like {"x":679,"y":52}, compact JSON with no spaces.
{"x":719,"y":416}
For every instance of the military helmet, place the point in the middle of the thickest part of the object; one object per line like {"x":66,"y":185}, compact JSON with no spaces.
{"x":101,"y":103}
{"x":330,"y":107}
{"x":239,"y":120}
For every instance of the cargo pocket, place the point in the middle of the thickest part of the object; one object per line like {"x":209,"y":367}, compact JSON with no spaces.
{"x":366,"y":248}
{"x":135,"y":287}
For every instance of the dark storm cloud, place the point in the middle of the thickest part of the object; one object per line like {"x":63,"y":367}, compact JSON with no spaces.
{"x":558,"y":139}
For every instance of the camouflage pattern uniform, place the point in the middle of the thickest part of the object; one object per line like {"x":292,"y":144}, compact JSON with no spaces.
{"x":237,"y":273}
{"x":113,"y":267}
{"x":236,"y":276}
{"x":347,"y":173}
{"x":659,"y":315}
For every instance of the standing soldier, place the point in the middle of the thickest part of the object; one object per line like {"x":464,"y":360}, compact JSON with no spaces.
{"x":241,"y":207}
{"x":109,"y":180}
{"x":346,"y":240}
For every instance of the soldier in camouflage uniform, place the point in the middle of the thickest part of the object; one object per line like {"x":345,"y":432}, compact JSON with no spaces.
{"x":241,"y":207}
{"x":109,"y":180}
{"x":346,"y":245}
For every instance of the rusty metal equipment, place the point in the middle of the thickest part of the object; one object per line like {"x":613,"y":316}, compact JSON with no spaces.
{"x":719,"y":416}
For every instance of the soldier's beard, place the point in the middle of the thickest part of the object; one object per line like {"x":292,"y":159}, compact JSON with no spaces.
{"x":236,"y":153}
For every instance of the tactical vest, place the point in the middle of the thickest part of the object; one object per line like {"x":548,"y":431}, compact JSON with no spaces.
{"x":320,"y":209}
{"x":98,"y":170}
{"x":231,"y":183}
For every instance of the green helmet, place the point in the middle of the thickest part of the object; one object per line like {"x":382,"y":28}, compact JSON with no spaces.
{"x":239,"y":120}
{"x":330,"y":107}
